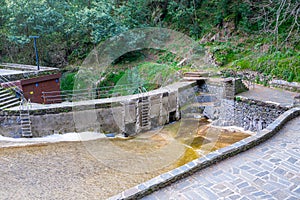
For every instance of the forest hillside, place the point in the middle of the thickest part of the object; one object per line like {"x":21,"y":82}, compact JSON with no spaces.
{"x":258,"y":35}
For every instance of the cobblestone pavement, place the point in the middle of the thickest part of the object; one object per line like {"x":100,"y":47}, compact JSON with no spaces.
{"x":261,"y":93}
{"x":268,"y":171}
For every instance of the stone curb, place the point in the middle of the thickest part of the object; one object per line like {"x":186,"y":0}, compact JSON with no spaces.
{"x":167,"y":178}
{"x":261,"y":103}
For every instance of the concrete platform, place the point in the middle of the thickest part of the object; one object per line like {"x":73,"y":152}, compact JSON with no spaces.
{"x":14,"y":72}
{"x":281,"y":97}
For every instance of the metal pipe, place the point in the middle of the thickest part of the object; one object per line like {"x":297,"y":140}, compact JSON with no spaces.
{"x":36,"y":51}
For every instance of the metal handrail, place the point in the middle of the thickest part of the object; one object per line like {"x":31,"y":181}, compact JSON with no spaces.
{"x":102,"y":92}
{"x":12,"y":86}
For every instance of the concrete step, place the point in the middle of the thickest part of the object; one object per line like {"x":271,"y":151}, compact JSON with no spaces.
{"x":5,"y":94}
{"x":27,"y":134}
{"x":8,"y":101}
{"x":13,"y":104}
{"x":196,"y":74}
{"x":2,"y":91}
{"x":194,"y":78}
{"x":7,"y":98}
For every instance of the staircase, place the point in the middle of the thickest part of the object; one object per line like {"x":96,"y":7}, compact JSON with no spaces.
{"x":195,"y":76}
{"x":25,"y":120}
{"x":145,"y":114}
{"x":7,"y":99}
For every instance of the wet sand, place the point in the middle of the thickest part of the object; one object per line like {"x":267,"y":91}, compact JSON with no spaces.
{"x":102,"y":168}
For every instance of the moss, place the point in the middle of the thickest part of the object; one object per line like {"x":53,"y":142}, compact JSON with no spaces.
{"x":188,"y":156}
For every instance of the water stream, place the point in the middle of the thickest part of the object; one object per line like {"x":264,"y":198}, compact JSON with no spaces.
{"x":165,"y":148}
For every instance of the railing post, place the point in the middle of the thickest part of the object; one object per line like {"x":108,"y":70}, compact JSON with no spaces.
{"x":43,"y":96}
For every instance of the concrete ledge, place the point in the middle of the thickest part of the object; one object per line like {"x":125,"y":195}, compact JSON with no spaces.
{"x":112,"y":102}
{"x":261,"y":103}
{"x":165,"y":179}
{"x":292,"y":86}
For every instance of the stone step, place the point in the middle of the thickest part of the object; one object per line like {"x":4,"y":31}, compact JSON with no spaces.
{"x":194,"y":78}
{"x":196,"y":74}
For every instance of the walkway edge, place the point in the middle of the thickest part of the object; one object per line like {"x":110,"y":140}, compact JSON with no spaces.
{"x":167,"y":178}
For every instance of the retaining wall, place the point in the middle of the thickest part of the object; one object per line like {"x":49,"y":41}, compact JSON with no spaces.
{"x":114,"y":115}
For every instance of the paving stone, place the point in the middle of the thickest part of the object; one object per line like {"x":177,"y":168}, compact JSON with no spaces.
{"x":247,"y":176}
{"x":269,"y":187}
{"x":284,"y":182}
{"x":259,"y":182}
{"x":269,"y":197}
{"x":237,"y":180}
{"x":245,"y":167}
{"x":297,"y":190}
{"x":268,"y":171}
{"x":225,"y":193}
{"x":234,"y":196}
{"x":153,"y":197}
{"x":296,"y":180}
{"x":242,"y":185}
{"x":244,"y":198}
{"x":192,"y":195}
{"x":280,"y":171}
{"x":292,"y":198}
{"x":219,"y":187}
{"x":248,"y":190}
{"x":257,"y":163}
{"x":280,"y":194}
{"x":182,"y":185}
{"x":260,"y":174}
{"x":206,"y":193}
{"x":235,"y":170}
{"x":259,"y":193}
{"x":217,"y":173}
{"x":273,"y":178}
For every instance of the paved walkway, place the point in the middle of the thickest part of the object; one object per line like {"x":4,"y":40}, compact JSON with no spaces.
{"x":268,"y":171}
{"x":282,"y":97}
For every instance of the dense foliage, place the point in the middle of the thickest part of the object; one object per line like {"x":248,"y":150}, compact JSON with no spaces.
{"x":70,"y":29}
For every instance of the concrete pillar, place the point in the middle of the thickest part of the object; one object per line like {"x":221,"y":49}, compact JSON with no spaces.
{"x":297,"y":101}
{"x":229,"y":88}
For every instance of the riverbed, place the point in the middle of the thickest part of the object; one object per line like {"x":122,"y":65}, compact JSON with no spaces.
{"x":100,"y":168}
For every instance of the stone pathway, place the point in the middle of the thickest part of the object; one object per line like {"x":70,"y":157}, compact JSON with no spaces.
{"x":268,"y":171}
{"x":282,"y":97}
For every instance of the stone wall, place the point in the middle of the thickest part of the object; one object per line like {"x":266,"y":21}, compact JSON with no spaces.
{"x":10,"y":126}
{"x":292,"y":86}
{"x":123,"y":114}
{"x":255,"y":115}
{"x":242,"y":112}
{"x":120,"y":115}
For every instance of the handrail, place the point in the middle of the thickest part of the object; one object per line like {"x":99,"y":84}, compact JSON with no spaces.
{"x":101,"y":92}
{"x":12,"y":86}
{"x":9,"y":83}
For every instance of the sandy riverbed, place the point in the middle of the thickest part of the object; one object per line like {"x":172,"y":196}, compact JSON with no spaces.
{"x":101,"y":168}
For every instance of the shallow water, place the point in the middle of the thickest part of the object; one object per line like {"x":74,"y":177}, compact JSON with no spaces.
{"x":163,"y":149}
{"x":101,"y":168}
